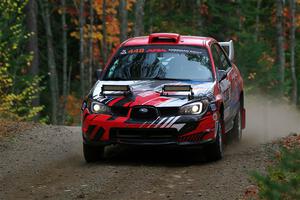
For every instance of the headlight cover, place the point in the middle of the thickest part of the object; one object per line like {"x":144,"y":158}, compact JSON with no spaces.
{"x":99,"y":108}
{"x":193,"y":108}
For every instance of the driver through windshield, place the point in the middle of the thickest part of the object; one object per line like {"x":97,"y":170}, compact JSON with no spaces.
{"x":160,"y":63}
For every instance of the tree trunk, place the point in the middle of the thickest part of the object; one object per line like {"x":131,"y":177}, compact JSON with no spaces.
{"x":123,"y":20}
{"x":31,"y":20}
{"x":139,"y":15}
{"x":51,"y":62}
{"x":104,"y":33}
{"x":69,"y":79}
{"x":257,"y":20}
{"x":292,"y":46}
{"x":65,"y":60}
{"x":91,"y":44}
{"x":81,"y":48}
{"x":280,"y":44}
{"x":151,"y":5}
{"x":199,"y":18}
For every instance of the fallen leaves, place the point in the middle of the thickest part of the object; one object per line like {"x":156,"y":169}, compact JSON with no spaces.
{"x":9,"y":128}
{"x":251,"y":192}
{"x":291,"y":141}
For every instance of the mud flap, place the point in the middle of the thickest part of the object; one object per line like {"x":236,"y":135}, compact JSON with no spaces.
{"x":243,"y":118}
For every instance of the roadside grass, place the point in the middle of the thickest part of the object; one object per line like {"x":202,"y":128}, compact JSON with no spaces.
{"x":281,"y":180}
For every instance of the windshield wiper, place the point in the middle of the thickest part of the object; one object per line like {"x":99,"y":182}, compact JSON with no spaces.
{"x":155,"y":78}
{"x":116,"y":79}
{"x":171,"y":79}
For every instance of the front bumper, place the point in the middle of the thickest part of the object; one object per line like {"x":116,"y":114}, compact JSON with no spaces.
{"x":103,"y":129}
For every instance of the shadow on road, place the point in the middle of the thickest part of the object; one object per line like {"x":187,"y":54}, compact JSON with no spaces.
{"x":153,"y":156}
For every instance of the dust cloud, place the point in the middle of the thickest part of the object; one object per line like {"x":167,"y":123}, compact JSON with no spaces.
{"x":267,"y":120}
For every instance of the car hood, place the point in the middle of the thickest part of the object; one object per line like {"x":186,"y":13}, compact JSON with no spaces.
{"x":148,"y":93}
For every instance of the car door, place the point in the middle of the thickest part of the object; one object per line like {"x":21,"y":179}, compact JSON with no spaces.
{"x":225,"y":75}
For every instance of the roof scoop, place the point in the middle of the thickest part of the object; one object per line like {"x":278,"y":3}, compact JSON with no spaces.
{"x":164,"y":38}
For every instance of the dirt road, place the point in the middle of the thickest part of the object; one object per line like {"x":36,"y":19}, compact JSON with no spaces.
{"x":47,"y":163}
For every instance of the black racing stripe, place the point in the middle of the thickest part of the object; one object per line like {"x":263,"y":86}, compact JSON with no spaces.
{"x":99,"y":134}
{"x":124,"y":101}
{"x":90,"y":129}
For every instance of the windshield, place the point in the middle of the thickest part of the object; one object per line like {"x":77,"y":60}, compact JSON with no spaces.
{"x":160,"y":63}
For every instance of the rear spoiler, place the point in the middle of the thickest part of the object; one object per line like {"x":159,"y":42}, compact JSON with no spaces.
{"x":228,"y":47}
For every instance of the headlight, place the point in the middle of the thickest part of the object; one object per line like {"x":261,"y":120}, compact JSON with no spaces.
{"x":193,"y":108}
{"x":99,"y":108}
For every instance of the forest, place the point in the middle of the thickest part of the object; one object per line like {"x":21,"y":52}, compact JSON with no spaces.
{"x":50,"y":49}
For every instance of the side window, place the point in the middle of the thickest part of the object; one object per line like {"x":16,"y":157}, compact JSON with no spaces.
{"x":225,"y":65}
{"x":216,"y":57}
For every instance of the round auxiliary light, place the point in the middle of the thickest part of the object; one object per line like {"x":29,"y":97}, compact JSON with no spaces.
{"x":96,"y":107}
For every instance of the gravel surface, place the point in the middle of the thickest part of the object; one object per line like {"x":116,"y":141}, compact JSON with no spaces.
{"x":47,"y":163}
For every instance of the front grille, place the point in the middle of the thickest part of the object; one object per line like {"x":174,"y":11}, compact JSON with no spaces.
{"x":150,"y":113}
{"x":149,"y":135}
{"x":168,"y":111}
{"x":119,"y":111}
{"x":191,"y":138}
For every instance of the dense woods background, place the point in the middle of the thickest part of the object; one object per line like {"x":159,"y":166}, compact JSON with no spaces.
{"x":49,"y":49}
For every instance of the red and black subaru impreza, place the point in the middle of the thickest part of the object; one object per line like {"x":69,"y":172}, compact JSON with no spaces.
{"x":165,"y":89}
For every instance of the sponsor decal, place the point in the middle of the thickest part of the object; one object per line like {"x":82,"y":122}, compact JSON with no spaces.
{"x":184,"y":51}
{"x":136,"y":51}
{"x":156,"y":50}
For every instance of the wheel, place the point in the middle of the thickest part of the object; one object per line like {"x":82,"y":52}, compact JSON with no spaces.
{"x":236,"y":131}
{"x":93,"y":153}
{"x":214,"y":151}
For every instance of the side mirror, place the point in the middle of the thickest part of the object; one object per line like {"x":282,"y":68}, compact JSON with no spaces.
{"x":228,"y":46}
{"x":98,"y":74}
{"x":222,"y":74}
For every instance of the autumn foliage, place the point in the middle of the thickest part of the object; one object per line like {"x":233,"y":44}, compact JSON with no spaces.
{"x":16,"y":89}
{"x":111,"y":23}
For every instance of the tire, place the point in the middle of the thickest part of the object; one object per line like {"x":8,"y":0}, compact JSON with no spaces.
{"x":93,"y":153}
{"x":215,"y":150}
{"x":236,"y":131}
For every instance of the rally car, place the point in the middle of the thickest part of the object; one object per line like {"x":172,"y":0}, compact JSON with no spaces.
{"x":165,"y":89}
